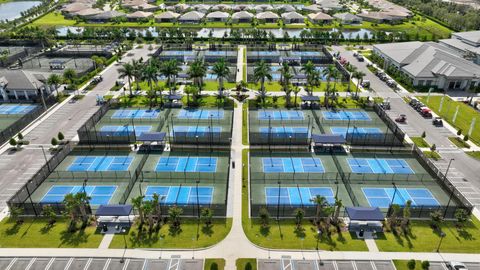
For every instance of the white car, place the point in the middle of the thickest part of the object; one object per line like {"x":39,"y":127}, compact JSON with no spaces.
{"x":456,"y":266}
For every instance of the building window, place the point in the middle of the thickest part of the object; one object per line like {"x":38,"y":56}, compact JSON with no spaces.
{"x":451,"y":85}
{"x":458,"y":84}
{"x":429,"y":82}
{"x":420,"y":82}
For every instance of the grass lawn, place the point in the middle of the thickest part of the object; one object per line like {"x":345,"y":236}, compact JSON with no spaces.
{"x":474,"y":154}
{"x":420,"y":142}
{"x":269,"y":86}
{"x":269,"y":102}
{"x":402,"y":265}
{"x":432,"y":155}
{"x":245,"y":124}
{"x":34,"y":233}
{"x":246,"y":264}
{"x":214,"y":264}
{"x":54,"y":18}
{"x":184,"y":238}
{"x":208,"y":102}
{"x":213,"y":85}
{"x":459,"y":142}
{"x":423,"y":239}
{"x":464,"y":116}
{"x":340,"y":87}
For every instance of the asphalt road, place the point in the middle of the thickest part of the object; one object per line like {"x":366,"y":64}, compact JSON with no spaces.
{"x":464,"y":171}
{"x":16,"y":167}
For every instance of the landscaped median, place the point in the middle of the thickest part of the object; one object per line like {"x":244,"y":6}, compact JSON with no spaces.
{"x":285,"y":234}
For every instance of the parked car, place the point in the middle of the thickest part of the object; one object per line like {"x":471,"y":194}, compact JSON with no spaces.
{"x":97,"y":79}
{"x":402,"y":118}
{"x":437,"y":121}
{"x":366,"y":84}
{"x":456,"y":266}
{"x":413,"y":102}
{"x":426,"y":112}
{"x":360,"y":58}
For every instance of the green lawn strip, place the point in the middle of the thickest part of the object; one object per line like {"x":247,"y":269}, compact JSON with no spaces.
{"x":402,"y":265}
{"x":420,"y":142}
{"x":464,"y":116}
{"x":474,"y":154}
{"x":273,"y":102}
{"x":213,"y":85}
{"x":35,"y":233}
{"x":339,"y":87}
{"x":245,"y":124}
{"x":424,"y":239}
{"x":54,"y":18}
{"x":214,"y":264}
{"x":184,"y":238}
{"x":209,"y":102}
{"x":432,"y":155}
{"x":246,"y":264}
{"x":459,"y":142}
{"x":269,"y":86}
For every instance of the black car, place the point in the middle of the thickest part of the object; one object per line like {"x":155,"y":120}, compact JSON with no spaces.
{"x":437,"y":121}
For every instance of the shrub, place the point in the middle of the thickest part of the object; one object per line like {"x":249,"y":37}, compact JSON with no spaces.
{"x":465,"y":138}
{"x":424,"y":135}
{"x":411,"y":264}
{"x":459,"y":132}
{"x":54,"y":141}
{"x":425,"y":265}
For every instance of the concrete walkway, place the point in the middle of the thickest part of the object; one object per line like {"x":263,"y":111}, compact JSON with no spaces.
{"x":241,"y":51}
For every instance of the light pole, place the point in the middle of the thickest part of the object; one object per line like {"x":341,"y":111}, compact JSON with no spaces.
{"x":30,"y":197}
{"x":122,"y":260}
{"x":442,"y":235}
{"x":45,"y":156}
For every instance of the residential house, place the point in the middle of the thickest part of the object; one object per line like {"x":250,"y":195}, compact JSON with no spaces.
{"x":286,"y":8}
{"x":293,"y":17}
{"x":312,"y":9}
{"x":202,"y":8}
{"x":263,"y":8}
{"x":430,"y":64}
{"x":218,"y":16}
{"x":191,"y":17}
{"x":267,"y":17}
{"x":222,"y":7}
{"x":106,"y":16}
{"x":320,"y":18}
{"x":348,"y":18}
{"x":139,"y":16}
{"x":329,"y":5}
{"x":89,"y":12}
{"x":70,"y":9}
{"x":167,"y":17}
{"x":242,"y":17}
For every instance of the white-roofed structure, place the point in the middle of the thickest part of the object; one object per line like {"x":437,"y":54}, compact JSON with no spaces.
{"x":347,"y":18}
{"x":218,"y":16}
{"x":320,"y":18}
{"x":167,"y":16}
{"x":267,"y":17}
{"x":191,"y":17}
{"x":293,"y":17}
{"x":139,"y":16}
{"x":242,"y":17}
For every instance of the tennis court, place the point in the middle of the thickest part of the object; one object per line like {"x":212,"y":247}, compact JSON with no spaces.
{"x":379,"y":165}
{"x":135,"y":114}
{"x":355,"y":131}
{"x":181,"y":194}
{"x":382,"y":197}
{"x":297,"y":195}
{"x":119,"y":130}
{"x":285,"y":132}
{"x":16,"y":109}
{"x":201,"y":114}
{"x":280,"y":115}
{"x":292,"y":165}
{"x":187,"y":164}
{"x":193,"y":131}
{"x":346,"y":115}
{"x":100,"y":163}
{"x":99,"y":194}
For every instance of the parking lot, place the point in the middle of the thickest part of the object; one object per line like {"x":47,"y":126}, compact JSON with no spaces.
{"x":47,"y":263}
{"x":287,"y":263}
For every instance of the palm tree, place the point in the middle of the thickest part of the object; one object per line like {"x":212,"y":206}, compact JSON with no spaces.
{"x":71,"y":207}
{"x":170,"y":70}
{"x":69,"y":75}
{"x":320,"y":202}
{"x":328,"y":73}
{"x":196,"y":72}
{"x":127,"y":70}
{"x":156,"y":200}
{"x":190,"y":90}
{"x":337,"y":76}
{"x":149,"y":74}
{"x":406,"y":215}
{"x":286,"y":76}
{"x":359,"y":76}
{"x":206,"y":215}
{"x":148,"y":210}
{"x":137,"y":203}
{"x":220,"y":68}
{"x":299,"y":214}
{"x":262,"y":72}
{"x":54,"y":80}
{"x":309,"y":70}
{"x":351,"y":69}
{"x":296,"y":90}
{"x":137,"y":72}
{"x":174,"y":213}
{"x":338,"y":207}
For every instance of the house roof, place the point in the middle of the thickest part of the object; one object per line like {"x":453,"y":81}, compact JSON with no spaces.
{"x":201,"y":7}
{"x":242,"y":15}
{"x":88,"y":12}
{"x":222,"y":7}
{"x":192,"y":16}
{"x":241,"y":7}
{"x":74,"y":7}
{"x":263,"y":7}
{"x":218,"y":14}
{"x":376,"y":15}
{"x":347,"y":17}
{"x":167,"y":15}
{"x":460,"y":45}
{"x":319,"y":16}
{"x":108,"y":15}
{"x":20,"y":80}
{"x":129,"y":3}
{"x":286,"y":8}
{"x":140,"y":14}
{"x":292,"y":15}
{"x":312,"y":8}
{"x":472,"y":36}
{"x":267,"y":15}
{"x":329,"y":4}
{"x":181,"y":6}
{"x":398,"y":52}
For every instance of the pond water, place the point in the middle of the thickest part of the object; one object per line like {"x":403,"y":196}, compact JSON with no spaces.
{"x":12,"y":10}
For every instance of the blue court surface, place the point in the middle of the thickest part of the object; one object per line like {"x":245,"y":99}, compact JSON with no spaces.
{"x":187,"y":164}
{"x":125,"y":130}
{"x":297,"y":195}
{"x":355,"y":131}
{"x":382,"y":197}
{"x":16,"y":109}
{"x":100,"y":163}
{"x":135,"y":114}
{"x":280,"y":115}
{"x":201,"y":114}
{"x":285,"y":132}
{"x":379,"y":165}
{"x":292,"y":165}
{"x":345,"y":115}
{"x":181,"y":194}
{"x":98,"y":194}
{"x":192,"y":131}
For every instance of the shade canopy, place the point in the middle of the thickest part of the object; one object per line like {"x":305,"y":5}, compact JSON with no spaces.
{"x":114,"y":210}
{"x":151,"y":137}
{"x":310,"y":98}
{"x":173,"y":97}
{"x":328,"y":139}
{"x":365,"y":213}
